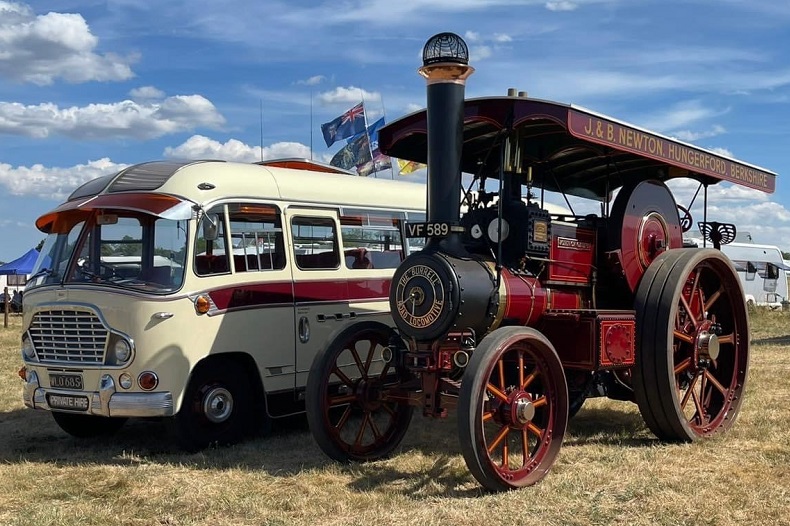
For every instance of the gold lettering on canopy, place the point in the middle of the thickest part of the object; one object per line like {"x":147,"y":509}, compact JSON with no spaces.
{"x":621,"y":137}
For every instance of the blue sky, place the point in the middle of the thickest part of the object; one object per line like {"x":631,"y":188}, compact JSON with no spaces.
{"x":88,"y":87}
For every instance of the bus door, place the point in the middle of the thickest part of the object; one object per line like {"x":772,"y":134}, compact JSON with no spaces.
{"x":320,"y":289}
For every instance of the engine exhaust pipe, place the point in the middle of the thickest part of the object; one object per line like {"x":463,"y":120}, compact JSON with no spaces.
{"x":445,"y":60}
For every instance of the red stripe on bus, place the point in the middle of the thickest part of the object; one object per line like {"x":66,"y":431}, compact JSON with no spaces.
{"x":265,"y":294}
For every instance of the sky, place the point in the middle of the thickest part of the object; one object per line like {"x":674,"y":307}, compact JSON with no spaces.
{"x":90,"y":87}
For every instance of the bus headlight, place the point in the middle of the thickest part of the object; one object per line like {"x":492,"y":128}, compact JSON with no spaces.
{"x":28,"y":351}
{"x":122,"y":351}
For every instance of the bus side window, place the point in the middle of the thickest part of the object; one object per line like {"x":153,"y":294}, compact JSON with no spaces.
{"x":210,"y":256}
{"x":257,"y":237}
{"x":315,"y":243}
{"x":371,"y":238}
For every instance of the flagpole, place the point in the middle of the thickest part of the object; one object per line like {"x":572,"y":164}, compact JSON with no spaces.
{"x":367,"y":133}
{"x":311,"y":124}
{"x":384,"y":114}
{"x":260,"y":101}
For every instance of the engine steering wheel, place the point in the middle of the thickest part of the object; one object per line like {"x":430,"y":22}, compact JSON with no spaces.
{"x":686,"y":221}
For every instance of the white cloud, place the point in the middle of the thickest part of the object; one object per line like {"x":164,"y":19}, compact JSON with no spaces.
{"x":479,"y":53}
{"x":312,"y":81}
{"x":350,"y":95}
{"x":200,"y":147}
{"x":140,"y":120}
{"x":53,"y":182}
{"x":146,"y":93}
{"x":690,"y":136}
{"x":723,"y":151}
{"x":562,"y":5}
{"x":472,"y":36}
{"x":41,"y":48}
{"x":679,"y":115}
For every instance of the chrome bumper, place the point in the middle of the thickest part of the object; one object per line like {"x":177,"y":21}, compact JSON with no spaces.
{"x":105,"y":402}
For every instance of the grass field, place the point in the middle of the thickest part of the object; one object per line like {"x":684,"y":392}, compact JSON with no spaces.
{"x":611,"y":470}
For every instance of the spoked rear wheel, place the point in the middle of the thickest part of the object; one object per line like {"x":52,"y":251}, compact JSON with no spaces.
{"x":693,"y":345}
{"x":347,"y":410}
{"x":512,"y":409}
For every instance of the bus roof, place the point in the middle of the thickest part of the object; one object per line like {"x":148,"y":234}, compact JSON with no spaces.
{"x":170,"y":189}
{"x":571,"y":149}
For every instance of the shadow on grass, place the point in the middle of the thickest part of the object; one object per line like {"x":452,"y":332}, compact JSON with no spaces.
{"x":775,"y":340}
{"x":32,"y":436}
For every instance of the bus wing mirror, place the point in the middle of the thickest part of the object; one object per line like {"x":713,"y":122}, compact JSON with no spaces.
{"x":210,"y":227}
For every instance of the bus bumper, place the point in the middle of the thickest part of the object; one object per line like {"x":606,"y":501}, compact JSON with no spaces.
{"x":106,"y":402}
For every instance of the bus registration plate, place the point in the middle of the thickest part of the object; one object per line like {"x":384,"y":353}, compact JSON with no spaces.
{"x":72,"y":403}
{"x":66,"y":381}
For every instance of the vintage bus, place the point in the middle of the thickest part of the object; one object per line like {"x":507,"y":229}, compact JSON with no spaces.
{"x":202,"y":290}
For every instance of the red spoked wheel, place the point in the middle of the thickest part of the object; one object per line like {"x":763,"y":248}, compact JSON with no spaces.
{"x":347,"y":410}
{"x":692,"y":345}
{"x":512,"y":409}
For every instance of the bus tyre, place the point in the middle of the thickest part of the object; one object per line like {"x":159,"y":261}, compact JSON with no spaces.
{"x":87,"y":426}
{"x":348,"y":412}
{"x":217,"y":407}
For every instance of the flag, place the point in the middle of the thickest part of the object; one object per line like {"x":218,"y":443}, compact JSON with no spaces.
{"x":348,"y":124}
{"x":350,"y":155}
{"x":374,"y":161}
{"x":406,"y":167}
{"x":378,"y":163}
{"x":358,"y":151}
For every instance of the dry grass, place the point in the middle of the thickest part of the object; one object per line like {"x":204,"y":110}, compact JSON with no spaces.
{"x":611,"y":469}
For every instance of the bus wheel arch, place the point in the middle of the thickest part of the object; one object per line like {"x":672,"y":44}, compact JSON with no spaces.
{"x":221,"y":404}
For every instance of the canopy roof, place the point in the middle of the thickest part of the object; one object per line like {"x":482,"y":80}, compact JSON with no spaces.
{"x":21,"y":265}
{"x":570,"y":149}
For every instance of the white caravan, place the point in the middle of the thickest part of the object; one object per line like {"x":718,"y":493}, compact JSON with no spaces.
{"x":762,"y":271}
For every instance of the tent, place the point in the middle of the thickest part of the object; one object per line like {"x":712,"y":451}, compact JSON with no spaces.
{"x":21,"y":265}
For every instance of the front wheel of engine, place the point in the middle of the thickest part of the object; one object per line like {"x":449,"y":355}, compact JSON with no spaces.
{"x":349,"y":414}
{"x":692,"y":345}
{"x":512,"y":409}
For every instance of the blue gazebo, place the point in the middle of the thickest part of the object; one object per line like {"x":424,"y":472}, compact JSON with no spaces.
{"x":21,"y":265}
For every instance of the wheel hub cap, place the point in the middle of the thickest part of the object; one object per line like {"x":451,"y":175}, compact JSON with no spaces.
{"x":218,"y":404}
{"x":523,"y":410}
{"x":708,"y":345}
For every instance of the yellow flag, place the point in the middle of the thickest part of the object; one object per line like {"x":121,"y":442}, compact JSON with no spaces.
{"x":406,"y":167}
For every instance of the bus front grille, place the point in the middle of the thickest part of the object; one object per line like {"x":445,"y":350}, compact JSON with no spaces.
{"x":72,"y":337}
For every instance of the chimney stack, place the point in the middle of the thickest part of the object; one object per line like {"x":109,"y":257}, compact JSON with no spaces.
{"x":445,"y":59}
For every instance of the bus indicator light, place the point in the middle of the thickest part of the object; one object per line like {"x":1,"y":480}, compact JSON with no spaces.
{"x":202,"y":304}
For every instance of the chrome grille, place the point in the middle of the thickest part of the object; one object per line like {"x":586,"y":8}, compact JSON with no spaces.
{"x":69,"y":337}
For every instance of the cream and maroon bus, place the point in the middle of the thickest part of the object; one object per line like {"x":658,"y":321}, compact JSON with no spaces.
{"x":201,"y":291}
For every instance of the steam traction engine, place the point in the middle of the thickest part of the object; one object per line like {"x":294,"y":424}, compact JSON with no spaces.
{"x":514,"y":316}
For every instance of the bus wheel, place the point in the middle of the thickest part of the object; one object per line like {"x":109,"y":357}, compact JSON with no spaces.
{"x":87,"y":426}
{"x":692,"y":345}
{"x":349,"y":415}
{"x":217,"y":407}
{"x":512,"y":409}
